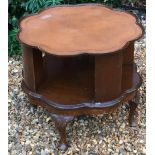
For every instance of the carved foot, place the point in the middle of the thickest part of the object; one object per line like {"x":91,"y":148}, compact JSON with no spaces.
{"x":32,"y":103}
{"x":132,"y":120}
{"x":61,"y":123}
{"x":133,"y":105}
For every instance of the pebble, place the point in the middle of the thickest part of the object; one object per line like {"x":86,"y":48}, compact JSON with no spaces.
{"x":121,"y":142}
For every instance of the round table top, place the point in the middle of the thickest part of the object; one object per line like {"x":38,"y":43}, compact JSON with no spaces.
{"x":71,"y":30}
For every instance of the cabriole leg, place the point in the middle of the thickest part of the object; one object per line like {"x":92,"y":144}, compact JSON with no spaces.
{"x":61,"y":123}
{"x":133,"y":105}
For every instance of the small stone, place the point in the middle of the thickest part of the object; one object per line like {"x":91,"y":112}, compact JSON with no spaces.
{"x":15,"y":70}
{"x":95,"y":142}
{"x":43,"y":152}
{"x":23,"y":152}
{"x":141,"y":141}
{"x":48,"y":119}
{"x":121,"y":142}
{"x":123,"y":125}
{"x":100,"y":141}
{"x":27,"y":142}
{"x":28,"y":147}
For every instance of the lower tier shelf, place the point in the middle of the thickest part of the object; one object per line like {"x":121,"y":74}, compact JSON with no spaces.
{"x":77,"y":90}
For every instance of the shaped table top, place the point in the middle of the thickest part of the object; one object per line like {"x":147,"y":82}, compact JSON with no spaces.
{"x":71,"y":30}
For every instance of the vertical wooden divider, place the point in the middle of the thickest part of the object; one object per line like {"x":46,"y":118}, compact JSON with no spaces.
{"x":108,"y":76}
{"x":128,"y":64}
{"x":32,"y":67}
{"x":128,"y":54}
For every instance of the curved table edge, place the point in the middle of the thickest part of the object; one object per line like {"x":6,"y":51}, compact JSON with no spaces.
{"x":86,"y":52}
{"x":106,"y":104}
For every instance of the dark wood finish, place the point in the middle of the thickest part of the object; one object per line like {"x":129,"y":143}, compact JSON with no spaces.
{"x":79,"y":83}
{"x":132,"y":120}
{"x":108,"y":76}
{"x":61,"y":123}
{"x":128,"y":54}
{"x":133,"y":105}
{"x":49,"y":98}
{"x":74,"y":80}
{"x":33,"y":67}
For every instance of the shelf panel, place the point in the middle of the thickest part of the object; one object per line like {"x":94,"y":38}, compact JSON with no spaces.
{"x":131,"y":79}
{"x":79,"y":86}
{"x":70,"y":88}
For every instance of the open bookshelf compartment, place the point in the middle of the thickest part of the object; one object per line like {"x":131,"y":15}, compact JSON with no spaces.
{"x":68,"y":80}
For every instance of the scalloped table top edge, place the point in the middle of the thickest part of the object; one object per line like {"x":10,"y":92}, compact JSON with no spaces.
{"x":61,"y":30}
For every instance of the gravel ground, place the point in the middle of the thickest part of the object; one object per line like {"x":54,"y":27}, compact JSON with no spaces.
{"x":32,"y":132}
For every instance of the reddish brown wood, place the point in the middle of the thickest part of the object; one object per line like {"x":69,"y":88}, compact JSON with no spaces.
{"x":61,"y":123}
{"x":44,"y":94}
{"x":132,"y":114}
{"x":132,"y":121}
{"x":128,"y":54}
{"x":32,"y":67}
{"x":108,"y":76}
{"x":67,"y":81}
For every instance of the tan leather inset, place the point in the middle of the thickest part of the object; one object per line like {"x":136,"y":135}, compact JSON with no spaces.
{"x":81,"y":29}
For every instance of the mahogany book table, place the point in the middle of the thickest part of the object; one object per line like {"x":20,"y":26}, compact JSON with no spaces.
{"x":80,"y":60}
